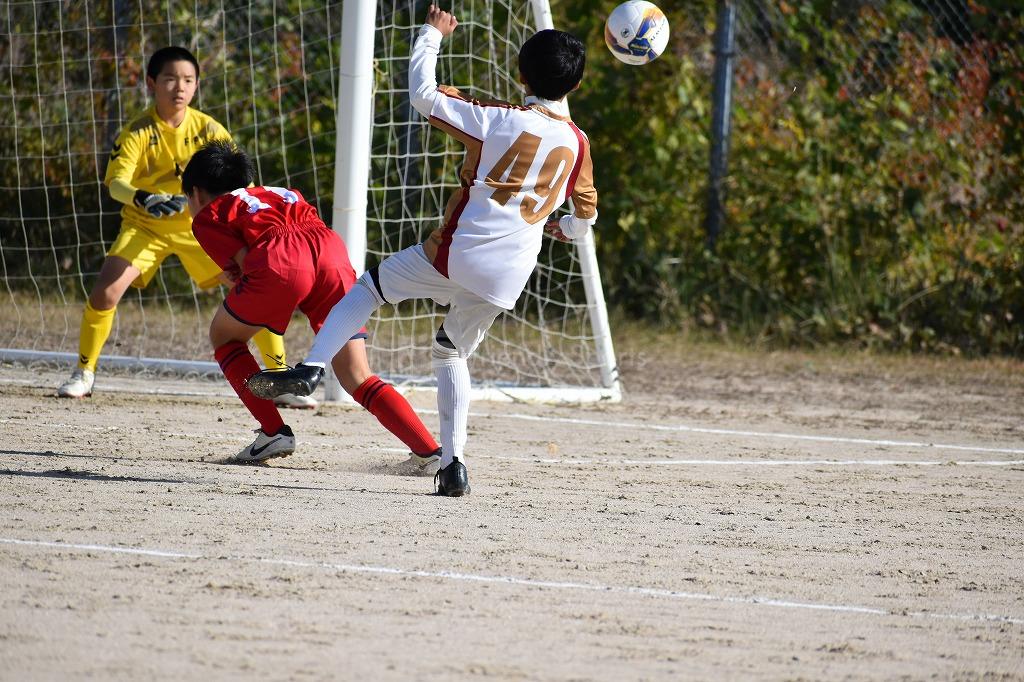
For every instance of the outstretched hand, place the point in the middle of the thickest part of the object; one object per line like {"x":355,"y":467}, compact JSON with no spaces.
{"x":445,"y":22}
{"x":159,"y":204}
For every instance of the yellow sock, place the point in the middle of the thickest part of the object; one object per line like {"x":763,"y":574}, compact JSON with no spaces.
{"x":96,"y":325}
{"x":271,"y":348}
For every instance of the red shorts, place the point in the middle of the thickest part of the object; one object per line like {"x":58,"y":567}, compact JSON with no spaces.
{"x":305,"y":267}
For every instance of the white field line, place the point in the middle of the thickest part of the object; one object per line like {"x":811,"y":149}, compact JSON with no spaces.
{"x":524,"y":582}
{"x":214,"y":392}
{"x":759,"y":434}
{"x":617,"y":461}
{"x":632,"y":426}
{"x":756,"y":462}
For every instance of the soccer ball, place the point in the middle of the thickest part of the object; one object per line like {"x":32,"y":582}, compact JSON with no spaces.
{"x":636,"y":32}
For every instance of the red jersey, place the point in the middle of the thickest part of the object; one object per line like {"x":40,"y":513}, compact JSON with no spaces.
{"x":240,"y":219}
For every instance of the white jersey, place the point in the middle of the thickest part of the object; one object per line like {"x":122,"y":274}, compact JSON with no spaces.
{"x":522,"y":163}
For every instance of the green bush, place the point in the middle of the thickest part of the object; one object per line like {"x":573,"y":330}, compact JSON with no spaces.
{"x":874,"y":188}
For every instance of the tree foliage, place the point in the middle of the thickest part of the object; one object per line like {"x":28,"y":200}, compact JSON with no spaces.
{"x":875,"y":173}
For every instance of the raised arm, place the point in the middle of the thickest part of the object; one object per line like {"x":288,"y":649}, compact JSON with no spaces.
{"x":423,"y":62}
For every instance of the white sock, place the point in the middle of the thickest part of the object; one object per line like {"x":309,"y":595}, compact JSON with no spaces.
{"x":345,"y":319}
{"x":452,"y":374}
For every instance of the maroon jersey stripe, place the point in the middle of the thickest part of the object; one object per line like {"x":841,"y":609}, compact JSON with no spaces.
{"x":579,"y":159}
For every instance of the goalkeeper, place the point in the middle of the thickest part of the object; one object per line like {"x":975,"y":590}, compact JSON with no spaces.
{"x":144,"y":174}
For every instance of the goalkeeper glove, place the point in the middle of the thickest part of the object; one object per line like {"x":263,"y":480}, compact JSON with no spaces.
{"x":160,"y":205}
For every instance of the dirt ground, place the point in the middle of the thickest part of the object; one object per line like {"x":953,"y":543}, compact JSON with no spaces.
{"x":741,"y":515}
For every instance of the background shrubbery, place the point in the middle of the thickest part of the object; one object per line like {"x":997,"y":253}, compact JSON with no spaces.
{"x":875,"y":175}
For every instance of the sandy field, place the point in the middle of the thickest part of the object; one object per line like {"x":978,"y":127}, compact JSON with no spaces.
{"x":738,"y":516}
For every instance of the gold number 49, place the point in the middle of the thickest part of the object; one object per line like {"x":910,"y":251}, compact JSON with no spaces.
{"x":509,"y":174}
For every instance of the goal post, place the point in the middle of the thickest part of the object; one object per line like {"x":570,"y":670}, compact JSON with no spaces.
{"x":603,"y":346}
{"x":317,"y":93}
{"x":352,"y":141}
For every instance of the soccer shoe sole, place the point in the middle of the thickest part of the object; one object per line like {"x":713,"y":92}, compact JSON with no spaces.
{"x":270,"y":385}
{"x":75,"y":397}
{"x":296,"y":403}
{"x":454,"y":493}
{"x":239,"y":459}
{"x":280,"y":444}
{"x":64,"y":393}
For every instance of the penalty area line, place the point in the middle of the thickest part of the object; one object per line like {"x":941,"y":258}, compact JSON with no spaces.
{"x":754,"y":462}
{"x":671,"y":428}
{"x":610,"y":461}
{"x":523,"y":582}
{"x":682,"y":428}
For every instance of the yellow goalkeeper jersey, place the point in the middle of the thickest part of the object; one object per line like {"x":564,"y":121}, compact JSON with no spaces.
{"x":151,"y":155}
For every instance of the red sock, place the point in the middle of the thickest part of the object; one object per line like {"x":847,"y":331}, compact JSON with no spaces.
{"x":396,"y":414}
{"x":238,"y":364}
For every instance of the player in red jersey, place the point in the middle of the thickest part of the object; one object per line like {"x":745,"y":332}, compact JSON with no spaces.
{"x":281,"y":256}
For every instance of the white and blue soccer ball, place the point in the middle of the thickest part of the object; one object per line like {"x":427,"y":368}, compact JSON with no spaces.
{"x":636,"y":32}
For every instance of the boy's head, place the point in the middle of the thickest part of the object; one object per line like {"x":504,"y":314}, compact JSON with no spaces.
{"x":172,"y":75}
{"x":551,"y":63}
{"x":218,"y":168}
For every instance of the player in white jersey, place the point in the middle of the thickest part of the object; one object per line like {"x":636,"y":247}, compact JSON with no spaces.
{"x":521,"y":164}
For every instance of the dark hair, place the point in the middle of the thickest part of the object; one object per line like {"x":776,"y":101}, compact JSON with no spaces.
{"x":552,"y":63}
{"x":166,"y":55}
{"x":218,"y":168}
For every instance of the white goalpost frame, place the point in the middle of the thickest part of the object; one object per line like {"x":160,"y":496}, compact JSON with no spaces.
{"x":352,"y":141}
{"x":351,"y":184}
{"x":588,"y":264}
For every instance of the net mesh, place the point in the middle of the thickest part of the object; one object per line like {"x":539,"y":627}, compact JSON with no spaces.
{"x":546,"y":340}
{"x":73,"y":75}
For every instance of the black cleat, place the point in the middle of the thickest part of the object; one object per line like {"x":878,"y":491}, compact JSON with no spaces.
{"x":452,"y":481}
{"x":300,"y":380}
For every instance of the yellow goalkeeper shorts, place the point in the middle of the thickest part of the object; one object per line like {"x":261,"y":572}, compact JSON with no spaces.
{"x":146,"y":250}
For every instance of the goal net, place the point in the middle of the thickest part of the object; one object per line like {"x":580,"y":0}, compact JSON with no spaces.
{"x":73,"y":74}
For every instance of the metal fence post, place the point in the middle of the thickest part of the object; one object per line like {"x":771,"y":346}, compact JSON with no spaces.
{"x":721,"y":114}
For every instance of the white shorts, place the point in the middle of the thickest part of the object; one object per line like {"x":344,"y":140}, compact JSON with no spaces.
{"x":409,"y":274}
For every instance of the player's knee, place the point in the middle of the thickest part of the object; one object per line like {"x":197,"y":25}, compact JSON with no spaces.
{"x":105,"y":297}
{"x":221,"y":333}
{"x":351,"y":367}
{"x":351,"y":381}
{"x":217,"y":336}
{"x":443,"y":351}
{"x":441,"y":355}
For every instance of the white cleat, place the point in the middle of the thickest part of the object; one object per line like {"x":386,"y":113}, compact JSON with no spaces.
{"x":296,"y":402}
{"x":79,"y":385}
{"x":265,"y":447}
{"x":421,"y":465}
